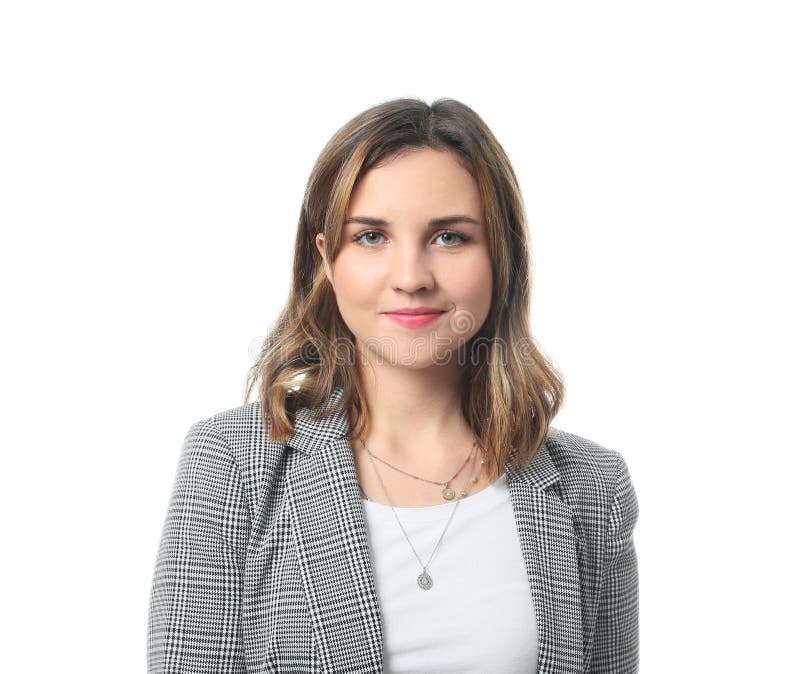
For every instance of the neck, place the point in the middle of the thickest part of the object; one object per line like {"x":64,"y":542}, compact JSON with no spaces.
{"x":415,"y":418}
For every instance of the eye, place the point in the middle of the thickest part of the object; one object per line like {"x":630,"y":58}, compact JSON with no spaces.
{"x":461,"y":238}
{"x":359,"y":238}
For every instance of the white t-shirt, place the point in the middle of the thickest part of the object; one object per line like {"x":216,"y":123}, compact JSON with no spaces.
{"x":478,"y":616}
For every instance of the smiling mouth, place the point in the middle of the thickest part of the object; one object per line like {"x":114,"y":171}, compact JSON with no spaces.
{"x":414,"y":320}
{"x":421,"y":313}
{"x":416,"y":312}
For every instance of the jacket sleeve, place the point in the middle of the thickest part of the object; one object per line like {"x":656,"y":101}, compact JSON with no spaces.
{"x":195,"y":600}
{"x":616,"y":640}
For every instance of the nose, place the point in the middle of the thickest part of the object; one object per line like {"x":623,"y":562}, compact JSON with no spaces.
{"x":409,"y":267}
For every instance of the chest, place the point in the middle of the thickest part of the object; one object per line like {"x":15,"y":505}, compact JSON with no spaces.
{"x":479,"y":615}
{"x":312,"y":592}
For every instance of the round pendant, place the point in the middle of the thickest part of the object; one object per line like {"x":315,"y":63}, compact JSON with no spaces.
{"x":425,"y":581}
{"x":448,"y":493}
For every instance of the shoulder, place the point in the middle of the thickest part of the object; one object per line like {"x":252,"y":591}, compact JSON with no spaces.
{"x":235,"y":422}
{"x":593,"y":479}
{"x":582,"y":463}
{"x":236,"y":427}
{"x":240,"y":433}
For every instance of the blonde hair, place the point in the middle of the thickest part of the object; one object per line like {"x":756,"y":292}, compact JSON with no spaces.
{"x":510,"y":391}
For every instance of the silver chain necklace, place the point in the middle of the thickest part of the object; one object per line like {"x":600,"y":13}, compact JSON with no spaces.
{"x":424,"y":580}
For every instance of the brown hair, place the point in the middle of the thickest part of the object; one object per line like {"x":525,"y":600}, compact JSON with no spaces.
{"x":511,"y":391}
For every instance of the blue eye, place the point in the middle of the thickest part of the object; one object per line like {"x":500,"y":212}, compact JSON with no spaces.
{"x":359,"y":238}
{"x":462,"y":238}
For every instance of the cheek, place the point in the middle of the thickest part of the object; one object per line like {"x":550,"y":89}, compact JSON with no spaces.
{"x":355,"y":282}
{"x":475,"y":284}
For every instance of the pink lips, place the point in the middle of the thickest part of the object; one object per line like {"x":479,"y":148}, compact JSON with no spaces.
{"x":414,"y":320}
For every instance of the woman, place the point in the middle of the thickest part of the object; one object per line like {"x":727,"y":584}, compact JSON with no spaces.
{"x":397,"y":500}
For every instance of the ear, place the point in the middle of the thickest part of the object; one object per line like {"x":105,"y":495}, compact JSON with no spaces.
{"x":319,"y":240}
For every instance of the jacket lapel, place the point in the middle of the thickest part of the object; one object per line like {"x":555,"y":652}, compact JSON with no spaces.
{"x":330,"y":535}
{"x":547,"y":533}
{"x":333,"y":551}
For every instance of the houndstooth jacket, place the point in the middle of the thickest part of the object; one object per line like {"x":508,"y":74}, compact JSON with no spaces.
{"x":264,"y":564}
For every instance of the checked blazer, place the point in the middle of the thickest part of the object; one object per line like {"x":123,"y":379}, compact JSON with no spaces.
{"x":264,"y":563}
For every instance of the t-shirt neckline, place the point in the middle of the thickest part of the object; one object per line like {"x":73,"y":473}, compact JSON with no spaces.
{"x":485,"y":496}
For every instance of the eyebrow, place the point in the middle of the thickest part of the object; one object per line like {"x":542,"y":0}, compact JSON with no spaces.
{"x":435,"y":222}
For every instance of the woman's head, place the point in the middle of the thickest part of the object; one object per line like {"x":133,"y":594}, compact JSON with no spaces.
{"x":406,"y":162}
{"x":414,"y":236}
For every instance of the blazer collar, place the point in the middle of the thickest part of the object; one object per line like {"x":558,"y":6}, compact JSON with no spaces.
{"x":336,"y":567}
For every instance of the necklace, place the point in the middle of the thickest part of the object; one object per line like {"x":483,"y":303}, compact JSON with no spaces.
{"x":448,"y":494}
{"x":424,"y":580}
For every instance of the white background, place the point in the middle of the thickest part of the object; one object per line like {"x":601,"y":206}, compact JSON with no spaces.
{"x":153,"y":157}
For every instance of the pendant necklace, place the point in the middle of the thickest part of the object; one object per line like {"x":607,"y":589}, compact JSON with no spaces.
{"x":424,"y":580}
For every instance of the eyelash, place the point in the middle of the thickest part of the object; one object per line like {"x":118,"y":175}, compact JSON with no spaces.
{"x":464,"y":238}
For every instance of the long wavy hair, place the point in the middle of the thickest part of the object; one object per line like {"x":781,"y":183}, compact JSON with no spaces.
{"x":510,"y":390}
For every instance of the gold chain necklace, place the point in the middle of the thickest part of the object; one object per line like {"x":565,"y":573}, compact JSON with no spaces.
{"x":447,"y":493}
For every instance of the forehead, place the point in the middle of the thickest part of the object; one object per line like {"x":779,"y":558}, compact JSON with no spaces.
{"x":422,"y":182}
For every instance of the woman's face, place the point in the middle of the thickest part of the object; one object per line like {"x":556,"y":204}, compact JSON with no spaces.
{"x":393,"y":257}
